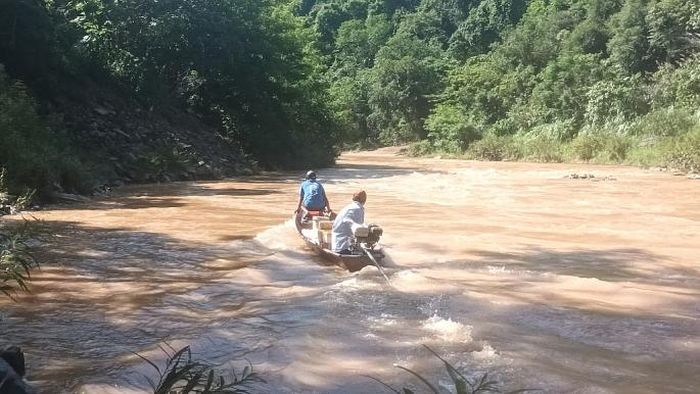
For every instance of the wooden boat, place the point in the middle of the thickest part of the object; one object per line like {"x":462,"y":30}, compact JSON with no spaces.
{"x":317,"y":237}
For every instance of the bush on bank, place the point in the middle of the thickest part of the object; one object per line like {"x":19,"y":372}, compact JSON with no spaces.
{"x":33,"y":154}
{"x":644,"y":143}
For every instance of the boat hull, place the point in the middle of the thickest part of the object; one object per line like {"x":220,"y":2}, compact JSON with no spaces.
{"x":352,"y":263}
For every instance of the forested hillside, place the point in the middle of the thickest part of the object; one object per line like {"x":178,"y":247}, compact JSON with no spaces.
{"x":159,"y":90}
{"x":613,"y":80}
{"x":101,"y":91}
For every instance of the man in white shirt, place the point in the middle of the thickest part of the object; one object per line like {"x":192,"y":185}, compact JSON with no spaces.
{"x":353,"y":213}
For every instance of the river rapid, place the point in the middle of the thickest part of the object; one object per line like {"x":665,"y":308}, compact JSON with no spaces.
{"x":565,"y":285}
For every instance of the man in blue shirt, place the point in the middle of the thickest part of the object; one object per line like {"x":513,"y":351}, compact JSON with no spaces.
{"x":312,"y":197}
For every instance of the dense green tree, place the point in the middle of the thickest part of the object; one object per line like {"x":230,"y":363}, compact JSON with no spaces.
{"x":483,"y":26}
{"x":629,"y":46}
{"x":671,"y":22}
{"x":407,"y":71}
{"x":245,"y":62}
{"x":292,"y":80}
{"x":26,"y":34}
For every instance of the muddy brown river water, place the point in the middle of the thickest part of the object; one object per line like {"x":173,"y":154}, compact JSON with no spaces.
{"x":566,"y":285}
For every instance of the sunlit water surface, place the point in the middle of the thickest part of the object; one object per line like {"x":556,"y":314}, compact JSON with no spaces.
{"x":566,"y":285}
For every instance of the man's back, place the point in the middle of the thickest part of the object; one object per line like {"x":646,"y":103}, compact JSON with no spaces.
{"x":342,"y":225}
{"x":313,"y":194}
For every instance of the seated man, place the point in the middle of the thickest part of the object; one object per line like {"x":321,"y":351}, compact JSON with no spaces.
{"x":312,"y":197}
{"x":354,"y":213}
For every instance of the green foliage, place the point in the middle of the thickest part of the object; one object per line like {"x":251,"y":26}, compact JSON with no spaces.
{"x":450,"y":130}
{"x":684,"y":152}
{"x":615,"y":99}
{"x":16,"y":259}
{"x":26,"y":35}
{"x":407,"y":70}
{"x":184,"y":375}
{"x":484,"y":25}
{"x":616,"y":148}
{"x":667,"y":122}
{"x":537,"y":38}
{"x":34,"y":155}
{"x":629,"y":45}
{"x":670,"y":22}
{"x":249,"y":67}
{"x":461,"y":384}
{"x":292,"y":81}
{"x":564,"y":84}
{"x":539,"y":70}
{"x":494,"y":148}
{"x":557,"y":131}
{"x":678,"y":86}
{"x":541,"y":148}
{"x":420,"y":148}
{"x":586,"y":146}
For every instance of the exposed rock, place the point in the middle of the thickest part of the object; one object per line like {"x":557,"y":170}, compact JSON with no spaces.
{"x":606,"y":178}
{"x":130,"y":142}
{"x":579,"y":176}
{"x":12,"y":370}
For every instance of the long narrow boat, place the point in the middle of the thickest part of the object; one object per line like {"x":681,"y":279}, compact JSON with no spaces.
{"x":317,"y":238}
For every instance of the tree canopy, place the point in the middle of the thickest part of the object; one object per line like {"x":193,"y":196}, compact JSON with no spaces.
{"x":293,"y":81}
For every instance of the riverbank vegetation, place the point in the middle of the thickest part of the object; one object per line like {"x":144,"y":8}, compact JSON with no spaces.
{"x":184,"y":374}
{"x":16,"y":259}
{"x":459,"y":383}
{"x":610,"y":81}
{"x":136,"y":91}
{"x":147,"y":91}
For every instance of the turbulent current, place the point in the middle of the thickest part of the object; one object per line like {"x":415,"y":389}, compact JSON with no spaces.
{"x":543,"y":281}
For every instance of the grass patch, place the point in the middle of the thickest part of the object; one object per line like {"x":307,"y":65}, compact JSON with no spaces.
{"x":667,"y":122}
{"x":664,"y":138}
{"x":684,"y":152}
{"x":542,"y":149}
{"x":16,"y":259}
{"x":586,"y":147}
{"x":420,"y":148}
{"x":494,"y":148}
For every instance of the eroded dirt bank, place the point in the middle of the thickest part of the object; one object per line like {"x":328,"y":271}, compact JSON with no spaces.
{"x":569,"y":285}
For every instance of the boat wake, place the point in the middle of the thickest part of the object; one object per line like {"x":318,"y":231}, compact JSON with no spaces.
{"x":279,"y":237}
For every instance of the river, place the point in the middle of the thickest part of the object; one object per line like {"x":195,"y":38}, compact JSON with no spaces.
{"x":565,"y":285}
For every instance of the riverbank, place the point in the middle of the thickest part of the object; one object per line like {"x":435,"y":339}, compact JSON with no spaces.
{"x":675,"y":154}
{"x":78,"y":137}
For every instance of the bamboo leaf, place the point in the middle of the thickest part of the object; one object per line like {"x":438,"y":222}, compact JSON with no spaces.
{"x":383,"y":384}
{"x":422,"y":379}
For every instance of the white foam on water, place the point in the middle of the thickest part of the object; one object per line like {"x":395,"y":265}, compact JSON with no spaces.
{"x":279,"y":237}
{"x":385,"y":320}
{"x":486,"y":353}
{"x":356,"y":283}
{"x":415,"y":282}
{"x":498,"y":270}
{"x":448,"y":330}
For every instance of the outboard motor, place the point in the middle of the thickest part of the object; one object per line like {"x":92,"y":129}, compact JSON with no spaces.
{"x":367,"y":236}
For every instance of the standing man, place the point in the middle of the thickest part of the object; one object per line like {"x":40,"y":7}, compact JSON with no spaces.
{"x":312,"y":197}
{"x":353,"y":213}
